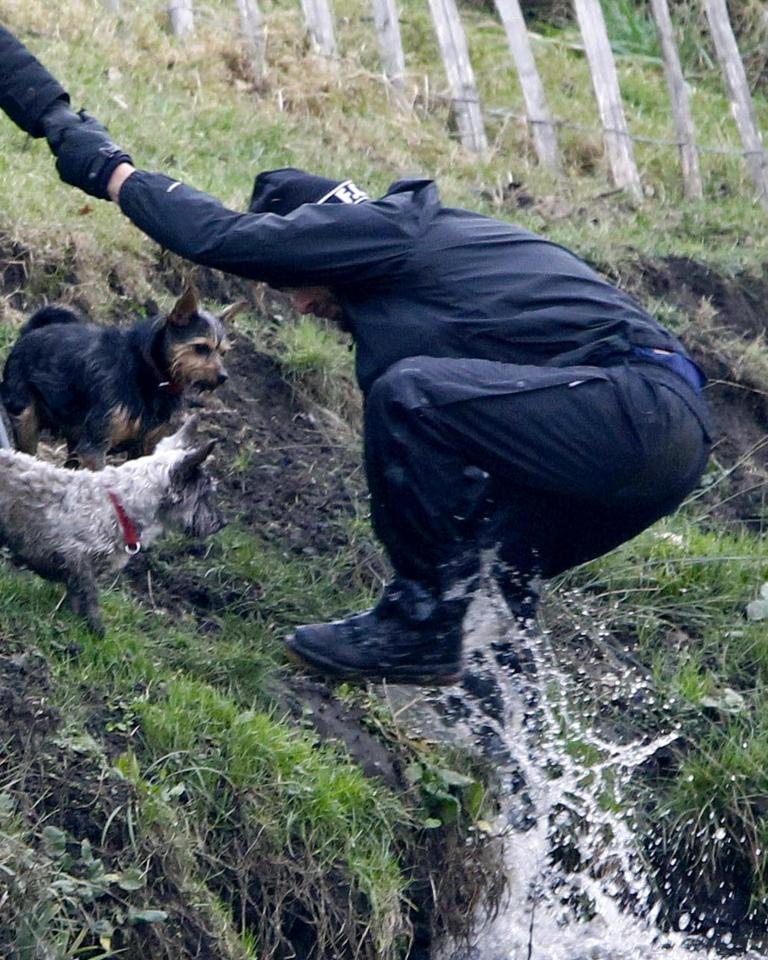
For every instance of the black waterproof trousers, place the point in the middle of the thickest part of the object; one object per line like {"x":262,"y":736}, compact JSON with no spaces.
{"x":553,"y":466}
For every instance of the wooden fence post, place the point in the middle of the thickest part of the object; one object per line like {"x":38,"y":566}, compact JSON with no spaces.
{"x":618,"y":145}
{"x":458,"y":69}
{"x":252,"y":25}
{"x":182,"y":17}
{"x":319,"y":19}
{"x":678,"y":94}
{"x":539,"y":117}
{"x":391,"y":45}
{"x":738,"y":92}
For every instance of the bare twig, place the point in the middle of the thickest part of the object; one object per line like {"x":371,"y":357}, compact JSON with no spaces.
{"x":530,"y":930}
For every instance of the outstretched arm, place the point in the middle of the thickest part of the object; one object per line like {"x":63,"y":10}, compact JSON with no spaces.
{"x":27,"y":89}
{"x":327,"y":244}
{"x":318,"y":244}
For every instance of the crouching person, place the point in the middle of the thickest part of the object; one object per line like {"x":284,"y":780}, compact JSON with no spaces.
{"x":515,"y":401}
{"x":540,"y":468}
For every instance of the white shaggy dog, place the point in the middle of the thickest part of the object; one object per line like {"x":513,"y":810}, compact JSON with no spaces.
{"x":71,"y":525}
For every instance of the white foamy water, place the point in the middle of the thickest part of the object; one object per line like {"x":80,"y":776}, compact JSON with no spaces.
{"x":579,"y":887}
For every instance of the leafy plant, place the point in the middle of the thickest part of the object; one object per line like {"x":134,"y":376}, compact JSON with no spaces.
{"x":446,"y":794}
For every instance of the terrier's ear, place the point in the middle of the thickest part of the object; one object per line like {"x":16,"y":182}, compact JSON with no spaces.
{"x":182,"y":471}
{"x":184,"y":438}
{"x":185,"y":307}
{"x":232,"y":310}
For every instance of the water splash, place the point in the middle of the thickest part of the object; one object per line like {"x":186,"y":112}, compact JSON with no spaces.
{"x":579,"y":884}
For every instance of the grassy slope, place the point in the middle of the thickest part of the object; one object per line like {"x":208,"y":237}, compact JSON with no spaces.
{"x":195,"y":755}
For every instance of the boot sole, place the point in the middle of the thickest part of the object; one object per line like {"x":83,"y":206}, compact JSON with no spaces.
{"x":408,"y":676}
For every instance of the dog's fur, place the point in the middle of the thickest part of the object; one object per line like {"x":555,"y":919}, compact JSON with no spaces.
{"x":109,"y":389}
{"x":64,"y":525}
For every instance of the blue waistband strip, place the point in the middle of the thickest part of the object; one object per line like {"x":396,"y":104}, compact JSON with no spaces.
{"x":681,"y":365}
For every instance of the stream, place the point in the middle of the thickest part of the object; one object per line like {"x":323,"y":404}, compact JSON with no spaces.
{"x":580,"y":887}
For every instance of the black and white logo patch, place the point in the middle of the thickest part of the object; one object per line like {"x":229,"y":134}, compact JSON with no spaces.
{"x":346,"y":192}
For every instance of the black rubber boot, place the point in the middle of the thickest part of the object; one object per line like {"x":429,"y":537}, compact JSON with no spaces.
{"x":413,"y":635}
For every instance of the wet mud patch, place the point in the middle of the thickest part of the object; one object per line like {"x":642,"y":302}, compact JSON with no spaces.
{"x":26,"y":714}
{"x":739,"y":301}
{"x":280,"y":472}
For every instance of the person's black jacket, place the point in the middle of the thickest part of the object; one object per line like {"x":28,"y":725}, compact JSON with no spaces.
{"x":413,"y":277}
{"x":27,"y":90}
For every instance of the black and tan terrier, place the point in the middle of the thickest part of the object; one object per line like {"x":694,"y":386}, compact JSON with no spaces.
{"x":106,"y":389}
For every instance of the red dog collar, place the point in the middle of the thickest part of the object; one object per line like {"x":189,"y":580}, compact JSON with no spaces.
{"x":131,"y":537}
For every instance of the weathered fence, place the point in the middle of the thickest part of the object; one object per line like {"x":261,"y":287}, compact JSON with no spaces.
{"x":470,"y":116}
{"x":182,"y":17}
{"x":678,"y":95}
{"x":320,"y":25}
{"x":605,"y":80}
{"x":738,"y":92}
{"x":391,"y":46}
{"x":252,"y":27}
{"x":539,"y":116}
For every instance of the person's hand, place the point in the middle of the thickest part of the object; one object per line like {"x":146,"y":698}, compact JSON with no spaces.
{"x":55,"y":120}
{"x":86,"y":156}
